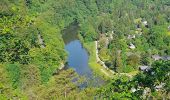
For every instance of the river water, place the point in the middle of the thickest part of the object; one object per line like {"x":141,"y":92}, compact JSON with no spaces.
{"x":78,"y":56}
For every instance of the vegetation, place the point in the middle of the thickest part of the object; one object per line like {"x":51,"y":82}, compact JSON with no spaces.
{"x":129,"y":34}
{"x":98,"y":68}
{"x":153,"y":84}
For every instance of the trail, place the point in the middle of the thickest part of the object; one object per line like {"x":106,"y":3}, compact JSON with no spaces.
{"x":104,"y":66}
{"x":99,"y":60}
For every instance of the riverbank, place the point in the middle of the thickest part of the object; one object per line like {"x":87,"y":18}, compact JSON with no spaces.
{"x":95,"y":66}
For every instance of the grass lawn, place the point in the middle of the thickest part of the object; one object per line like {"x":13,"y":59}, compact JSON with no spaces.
{"x":96,"y":67}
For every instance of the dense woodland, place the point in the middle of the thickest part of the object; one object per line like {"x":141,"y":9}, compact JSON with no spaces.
{"x":129,"y":34}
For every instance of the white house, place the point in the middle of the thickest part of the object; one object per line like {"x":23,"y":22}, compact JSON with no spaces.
{"x":145,"y":23}
{"x":131,"y":36}
{"x":156,"y":57}
{"x":132,"y":46}
{"x":160,"y":86}
{"x":169,"y":27}
{"x":144,"y":68}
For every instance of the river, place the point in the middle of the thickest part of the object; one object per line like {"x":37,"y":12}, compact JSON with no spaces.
{"x":78,"y":56}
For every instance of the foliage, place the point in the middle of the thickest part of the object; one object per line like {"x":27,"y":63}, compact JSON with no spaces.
{"x":32,"y":48}
{"x":125,"y":88}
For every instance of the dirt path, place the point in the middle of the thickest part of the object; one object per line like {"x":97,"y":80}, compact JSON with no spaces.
{"x":104,"y":66}
{"x":97,"y":57}
{"x":99,"y":60}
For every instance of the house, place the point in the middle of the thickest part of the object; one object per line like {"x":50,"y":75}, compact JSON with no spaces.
{"x":166,"y":58}
{"x":145,"y":23}
{"x":144,"y":68}
{"x":132,"y":46}
{"x":156,"y":57}
{"x":133,"y":90}
{"x":112,"y":32}
{"x":158,"y":87}
{"x":169,"y":27}
{"x":131,"y":36}
{"x":41,"y":41}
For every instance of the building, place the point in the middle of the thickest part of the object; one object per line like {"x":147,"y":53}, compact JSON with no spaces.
{"x":144,"y":68}
{"x":160,"y":86}
{"x":132,"y":46}
{"x":166,"y":58}
{"x":169,"y":27}
{"x":156,"y":57}
{"x":145,"y":23}
{"x":131,"y":36}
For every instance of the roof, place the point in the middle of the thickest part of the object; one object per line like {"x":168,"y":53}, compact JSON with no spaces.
{"x":131,"y":36}
{"x":166,"y":58}
{"x":144,"y":68}
{"x":133,"y":89}
{"x":132,"y":46}
{"x":169,"y":26}
{"x":160,"y":86}
{"x":145,"y":22}
{"x":156,"y":57}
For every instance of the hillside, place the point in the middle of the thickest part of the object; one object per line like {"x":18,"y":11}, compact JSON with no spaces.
{"x":120,"y":36}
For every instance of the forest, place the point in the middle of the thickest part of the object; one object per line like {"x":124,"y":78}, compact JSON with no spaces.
{"x":128,"y":42}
